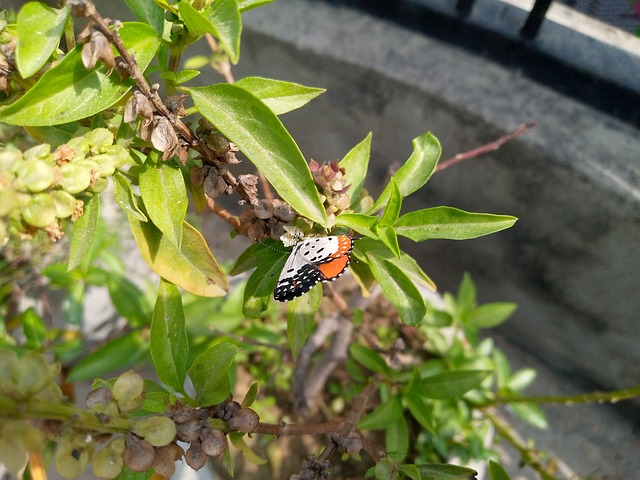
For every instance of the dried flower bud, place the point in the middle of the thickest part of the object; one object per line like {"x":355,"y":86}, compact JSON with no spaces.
{"x":138,"y":454}
{"x":194,"y":456}
{"x":164,"y":461}
{"x":164,"y":137}
{"x":353,"y":443}
{"x":263,"y":209}
{"x":99,"y":396}
{"x":214,"y":185}
{"x":138,"y":104}
{"x":283,"y":211}
{"x":214,"y":442}
{"x":245,"y":420}
{"x":188,"y":431}
{"x":97,"y":48}
{"x":248,"y":185}
{"x":180,"y":413}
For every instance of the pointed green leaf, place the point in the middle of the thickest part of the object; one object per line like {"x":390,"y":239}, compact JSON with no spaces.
{"x":466,"y":294}
{"x":442,"y":471}
{"x":257,"y":254}
{"x":54,"y":135}
{"x":363,"y":224}
{"x":394,"y":205}
{"x":410,"y":471}
{"x":210,"y":374}
{"x":70,"y":92}
{"x":415,"y":172}
{"x":450,"y":223}
{"x":125,"y":198}
{"x":259,"y":288}
{"x":169,"y":343}
{"x":397,"y":437}
{"x":244,"y":5}
{"x":356,"y":165}
{"x":148,"y":12}
{"x":522,"y":379}
{"x":530,"y":413}
{"x":39,"y":28}
{"x":128,"y":299}
{"x":396,"y":286}
{"x":250,"y":396}
{"x":191,"y":267}
{"x":260,"y":135}
{"x":369,"y":358}
{"x":449,"y":384}
{"x":387,"y":235}
{"x":165,"y":197}
{"x":84,"y":232}
{"x":420,"y":410}
{"x":221,"y":19}
{"x":497,"y":472}
{"x":237,"y":440}
{"x":301,"y":318}
{"x":491,"y":314}
{"x":383,"y":415}
{"x":34,"y":329}
{"x":117,"y":354}
{"x":281,"y":97}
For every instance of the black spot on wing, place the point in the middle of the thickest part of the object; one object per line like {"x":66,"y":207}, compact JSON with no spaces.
{"x":291,"y":287}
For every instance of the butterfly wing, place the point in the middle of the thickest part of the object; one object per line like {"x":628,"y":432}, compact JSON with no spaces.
{"x":320,"y":259}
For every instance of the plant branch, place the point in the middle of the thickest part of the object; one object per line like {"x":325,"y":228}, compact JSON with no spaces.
{"x":529,"y":455}
{"x":489,"y":147}
{"x":593,"y":397}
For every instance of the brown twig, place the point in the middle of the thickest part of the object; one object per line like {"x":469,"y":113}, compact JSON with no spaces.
{"x":489,"y":147}
{"x":224,"y":65}
{"x":225,"y":215}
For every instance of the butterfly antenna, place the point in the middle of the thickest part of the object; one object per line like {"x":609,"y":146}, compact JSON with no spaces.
{"x":271,"y":247}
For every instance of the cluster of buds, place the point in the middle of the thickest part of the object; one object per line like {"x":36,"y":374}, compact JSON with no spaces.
{"x":158,"y":129}
{"x":39,"y":188}
{"x":330,"y":178}
{"x":267,"y":218}
{"x":25,"y":380}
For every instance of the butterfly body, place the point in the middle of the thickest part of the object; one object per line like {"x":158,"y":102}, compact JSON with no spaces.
{"x":318,"y":259}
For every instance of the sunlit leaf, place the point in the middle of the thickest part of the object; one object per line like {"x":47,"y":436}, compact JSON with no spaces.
{"x":84,"y":232}
{"x":301,"y":315}
{"x":260,"y":135}
{"x":210,"y":373}
{"x":281,"y":97}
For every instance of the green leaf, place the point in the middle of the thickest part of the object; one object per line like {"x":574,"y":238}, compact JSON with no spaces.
{"x":251,"y":395}
{"x":466,"y":294}
{"x":530,"y":413}
{"x":497,"y":472}
{"x":128,"y":300}
{"x":385,"y":469}
{"x":363,"y":224}
{"x":449,"y":384}
{"x":392,"y":210}
{"x":39,"y":28}
{"x":210,"y":374}
{"x":256,"y":254}
{"x":125,"y":198}
{"x":169,"y":342}
{"x":148,"y":12}
{"x":301,"y":316}
{"x":420,"y":410}
{"x":221,"y":19}
{"x":383,"y":415}
{"x":54,"y":135}
{"x":281,"y":97}
{"x":259,"y":288}
{"x":191,"y":267}
{"x":237,"y":439}
{"x":397,"y":437}
{"x":260,"y":135}
{"x":442,"y":471}
{"x":356,"y":165}
{"x":117,"y":354}
{"x":410,"y":471}
{"x":415,"y":172}
{"x":84,"y":232}
{"x":244,"y":5}
{"x":70,"y":92}
{"x":491,"y":314}
{"x":522,"y":379}
{"x":396,"y":285}
{"x":450,"y":223}
{"x":165,"y":197}
{"x":387,"y":235}
{"x":369,"y":358}
{"x":34,"y":329}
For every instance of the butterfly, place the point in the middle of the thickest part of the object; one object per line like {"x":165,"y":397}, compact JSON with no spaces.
{"x":317,"y":259}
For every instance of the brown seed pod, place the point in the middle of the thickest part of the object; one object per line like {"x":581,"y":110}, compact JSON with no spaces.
{"x":188,"y":431}
{"x":195,"y":457}
{"x":163,"y":462}
{"x":99,"y":396}
{"x":245,"y":420}
{"x":214,"y":442}
{"x":138,"y":454}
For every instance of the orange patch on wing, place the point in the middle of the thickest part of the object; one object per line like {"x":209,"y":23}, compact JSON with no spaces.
{"x":344,"y":246}
{"x":332,"y":269}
